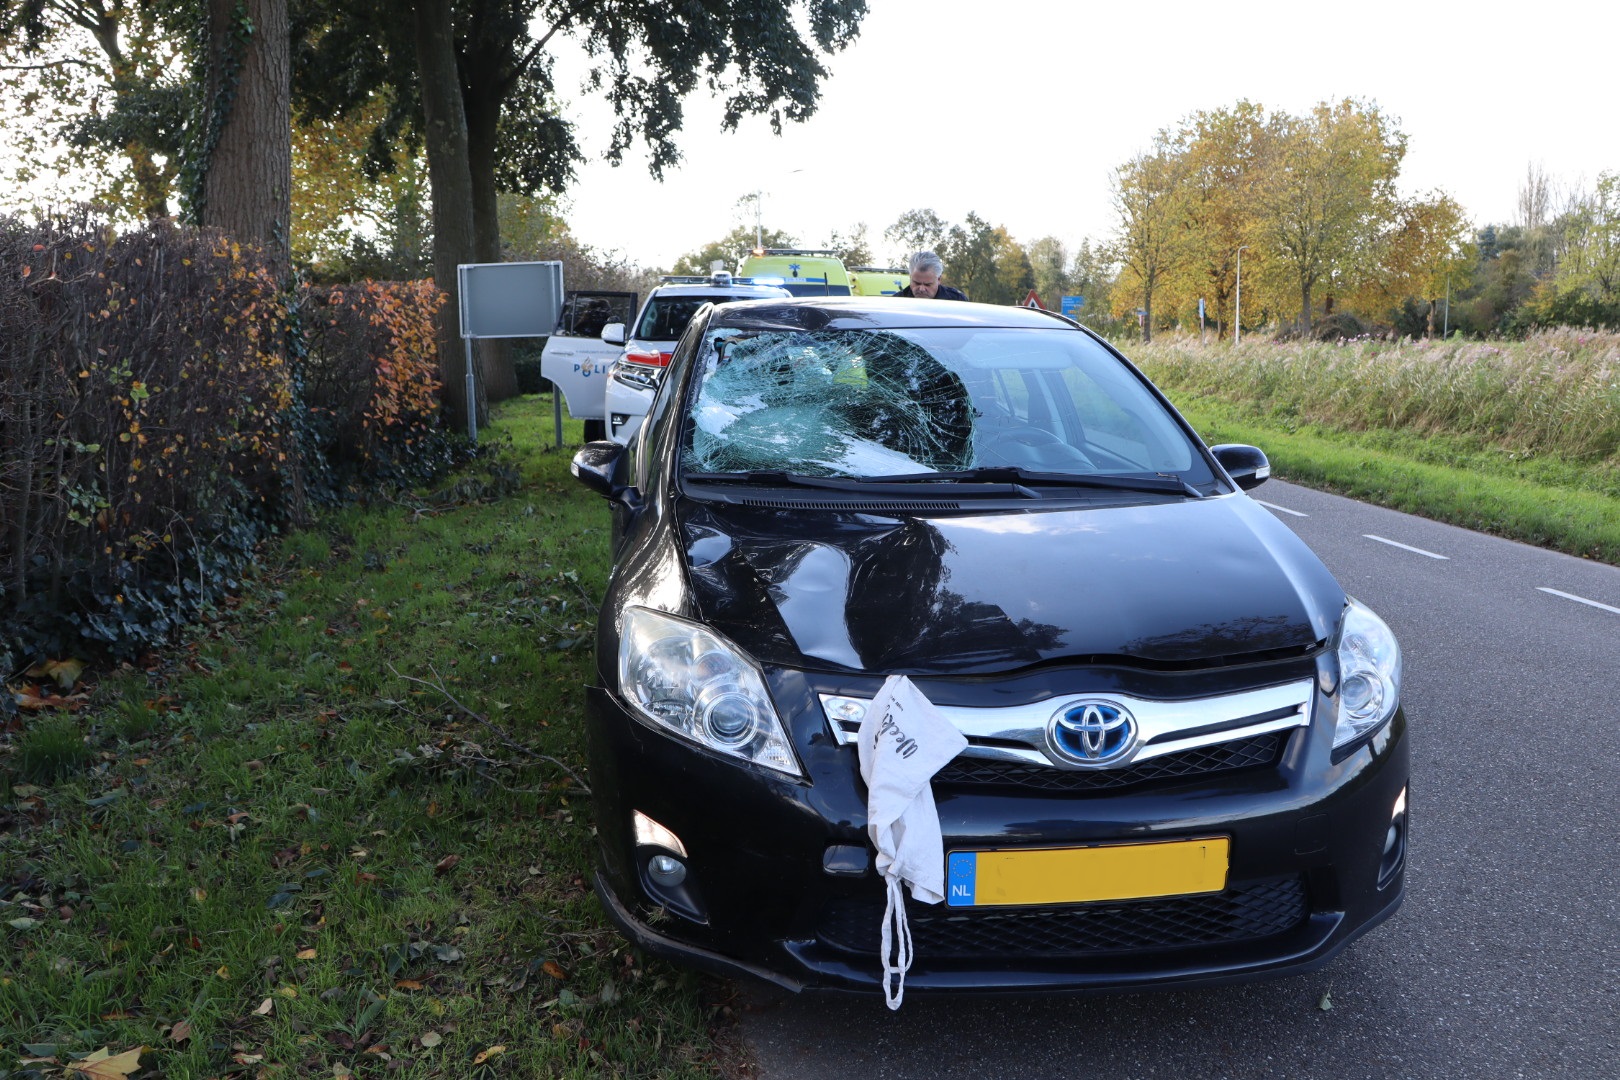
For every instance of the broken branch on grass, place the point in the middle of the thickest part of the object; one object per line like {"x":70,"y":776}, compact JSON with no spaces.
{"x":437,"y":684}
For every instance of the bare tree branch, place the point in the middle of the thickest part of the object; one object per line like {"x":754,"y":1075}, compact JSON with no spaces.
{"x":64,"y":62}
{"x":437,"y":684}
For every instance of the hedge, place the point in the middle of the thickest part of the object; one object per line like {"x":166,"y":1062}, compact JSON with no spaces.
{"x":166,"y":404}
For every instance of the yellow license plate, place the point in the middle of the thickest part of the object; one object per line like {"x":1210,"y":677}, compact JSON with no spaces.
{"x":1083,"y":875}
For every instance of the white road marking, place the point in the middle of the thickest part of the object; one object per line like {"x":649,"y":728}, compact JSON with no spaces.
{"x":1281,"y":509}
{"x":1578,"y":599}
{"x":1406,"y":547}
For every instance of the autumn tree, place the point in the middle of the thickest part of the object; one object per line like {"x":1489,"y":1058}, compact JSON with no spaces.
{"x":1328,"y":190}
{"x":762,"y":57}
{"x":854,"y":247}
{"x":1425,"y":246}
{"x":729,"y":250}
{"x":1584,"y":289}
{"x":89,"y":82}
{"x":914,"y":231}
{"x":348,"y":222}
{"x":1152,"y":242}
{"x":1224,"y":151}
{"x":1049,"y":265}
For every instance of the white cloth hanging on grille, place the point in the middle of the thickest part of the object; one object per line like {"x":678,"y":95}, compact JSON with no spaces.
{"x":904,"y":740}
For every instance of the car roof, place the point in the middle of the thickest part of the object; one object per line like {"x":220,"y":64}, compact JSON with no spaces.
{"x":879,"y":313}
{"x":741,"y":291}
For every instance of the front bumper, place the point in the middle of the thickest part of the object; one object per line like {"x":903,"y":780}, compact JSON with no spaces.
{"x":780,"y":887}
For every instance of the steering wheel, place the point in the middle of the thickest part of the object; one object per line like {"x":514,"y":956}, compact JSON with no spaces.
{"x":1031,"y":446}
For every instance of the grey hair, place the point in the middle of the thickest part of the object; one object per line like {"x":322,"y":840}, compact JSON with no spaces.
{"x":925,"y":261}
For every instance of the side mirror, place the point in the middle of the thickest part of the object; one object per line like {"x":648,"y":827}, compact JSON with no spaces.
{"x":597,"y":465}
{"x":1246,"y":465}
{"x":613,"y":334}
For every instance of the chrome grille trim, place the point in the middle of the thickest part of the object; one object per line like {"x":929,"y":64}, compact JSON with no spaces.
{"x":1018,"y":732}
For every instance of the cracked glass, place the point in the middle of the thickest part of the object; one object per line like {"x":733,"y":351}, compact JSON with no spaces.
{"x":872,"y":403}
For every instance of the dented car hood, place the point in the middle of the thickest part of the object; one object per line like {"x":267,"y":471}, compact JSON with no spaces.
{"x":1003,"y":590}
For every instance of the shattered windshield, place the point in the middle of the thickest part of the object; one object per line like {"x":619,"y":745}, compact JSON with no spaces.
{"x":871,"y":403}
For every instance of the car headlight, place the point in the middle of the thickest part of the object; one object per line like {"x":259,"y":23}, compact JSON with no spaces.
{"x":1369,"y":674}
{"x":693,"y":682}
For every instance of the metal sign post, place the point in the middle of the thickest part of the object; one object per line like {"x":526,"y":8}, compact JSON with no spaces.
{"x":505,"y":300}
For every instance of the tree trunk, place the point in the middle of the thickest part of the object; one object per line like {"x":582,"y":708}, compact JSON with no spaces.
{"x":1305,"y":306}
{"x":247,"y":182}
{"x":1147,"y":313}
{"x":446,"y":139}
{"x":483,"y":120}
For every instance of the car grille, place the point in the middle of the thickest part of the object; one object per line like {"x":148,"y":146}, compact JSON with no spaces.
{"x":1242,"y":913}
{"x":1260,"y":750}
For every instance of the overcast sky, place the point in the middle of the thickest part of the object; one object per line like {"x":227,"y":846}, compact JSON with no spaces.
{"x":1019,"y":110}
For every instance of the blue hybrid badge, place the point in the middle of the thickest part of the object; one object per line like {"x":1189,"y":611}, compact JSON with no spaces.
{"x":1092,"y":733}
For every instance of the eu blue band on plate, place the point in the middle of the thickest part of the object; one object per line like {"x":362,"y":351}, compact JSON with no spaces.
{"x":962,"y":876}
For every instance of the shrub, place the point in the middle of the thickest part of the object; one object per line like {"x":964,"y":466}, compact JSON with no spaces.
{"x":369,"y":380}
{"x":165,"y":404}
{"x":144,"y":446}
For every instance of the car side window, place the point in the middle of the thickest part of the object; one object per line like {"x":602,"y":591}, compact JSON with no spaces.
{"x":659,"y":413}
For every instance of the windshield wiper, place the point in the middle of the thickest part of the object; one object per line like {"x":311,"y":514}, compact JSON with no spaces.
{"x":995,"y":480}
{"x":994,"y":483}
{"x":775,"y":478}
{"x":1168,"y":483}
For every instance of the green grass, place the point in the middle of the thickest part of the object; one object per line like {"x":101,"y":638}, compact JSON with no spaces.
{"x":356,"y":797}
{"x":1555,"y":504}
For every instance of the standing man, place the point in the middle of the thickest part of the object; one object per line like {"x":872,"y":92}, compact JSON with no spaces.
{"x":926,"y":270}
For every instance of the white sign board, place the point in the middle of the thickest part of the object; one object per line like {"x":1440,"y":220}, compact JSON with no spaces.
{"x":508,"y":300}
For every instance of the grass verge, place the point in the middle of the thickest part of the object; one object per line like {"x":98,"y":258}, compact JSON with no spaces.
{"x":1537,"y":500}
{"x":344,"y":829}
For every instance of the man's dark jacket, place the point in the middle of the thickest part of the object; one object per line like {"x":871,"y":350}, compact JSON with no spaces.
{"x":945,"y":293}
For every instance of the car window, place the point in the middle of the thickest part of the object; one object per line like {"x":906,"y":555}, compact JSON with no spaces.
{"x":868,"y":403}
{"x":665,"y":317}
{"x":584,"y":316}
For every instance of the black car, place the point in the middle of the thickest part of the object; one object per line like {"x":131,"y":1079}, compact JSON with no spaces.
{"x":1182,"y":735}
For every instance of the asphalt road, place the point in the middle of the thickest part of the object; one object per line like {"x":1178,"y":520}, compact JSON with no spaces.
{"x":1504,"y":961}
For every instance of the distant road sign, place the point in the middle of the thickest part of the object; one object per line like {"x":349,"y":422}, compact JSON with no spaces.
{"x":1071,"y":305}
{"x":1033,"y":300}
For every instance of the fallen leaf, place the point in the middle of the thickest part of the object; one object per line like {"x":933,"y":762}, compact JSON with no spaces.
{"x":199,"y":894}
{"x":65,"y":672}
{"x":254,"y":764}
{"x":446,"y":864}
{"x":431,"y":1039}
{"x":224,"y":972}
{"x":105,"y":1066}
{"x":180,"y":1032}
{"x":306,"y":954}
{"x":554,"y":969}
{"x":1326,"y":1004}
{"x":247,"y":1059}
{"x":287,"y":992}
{"x":408,"y":984}
{"x":265,"y":1007}
{"x":485,"y":1055}
{"x":24,"y":923}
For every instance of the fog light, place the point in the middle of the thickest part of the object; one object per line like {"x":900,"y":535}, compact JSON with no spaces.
{"x":650,"y":833}
{"x":1394,"y":855}
{"x":667,"y":870}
